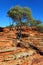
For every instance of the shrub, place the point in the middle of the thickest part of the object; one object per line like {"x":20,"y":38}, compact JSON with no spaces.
{"x":40,"y":27}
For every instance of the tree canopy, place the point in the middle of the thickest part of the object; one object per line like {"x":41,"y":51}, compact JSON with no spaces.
{"x":17,"y":13}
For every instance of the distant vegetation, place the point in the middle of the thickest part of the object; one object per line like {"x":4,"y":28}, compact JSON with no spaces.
{"x":40,"y":27}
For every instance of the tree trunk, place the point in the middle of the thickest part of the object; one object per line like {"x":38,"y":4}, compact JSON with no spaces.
{"x":19,"y":36}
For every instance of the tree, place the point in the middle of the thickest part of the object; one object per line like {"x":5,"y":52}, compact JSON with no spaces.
{"x":18,"y":13}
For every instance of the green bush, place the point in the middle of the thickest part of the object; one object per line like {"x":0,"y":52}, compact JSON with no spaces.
{"x":40,"y":27}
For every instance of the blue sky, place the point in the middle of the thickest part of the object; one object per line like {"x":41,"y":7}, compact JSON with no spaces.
{"x":36,"y":7}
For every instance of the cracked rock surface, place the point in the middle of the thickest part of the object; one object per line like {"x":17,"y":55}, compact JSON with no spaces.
{"x":27,"y":51}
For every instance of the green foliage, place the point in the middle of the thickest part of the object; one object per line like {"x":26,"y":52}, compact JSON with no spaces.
{"x":17,"y":13}
{"x":23,"y":24}
{"x":40,"y":27}
{"x":38,"y":22}
{"x":35,"y":22}
{"x":28,"y":14}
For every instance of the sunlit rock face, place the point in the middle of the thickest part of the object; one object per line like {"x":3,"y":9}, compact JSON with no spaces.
{"x":26,"y":51}
{"x":30,"y":35}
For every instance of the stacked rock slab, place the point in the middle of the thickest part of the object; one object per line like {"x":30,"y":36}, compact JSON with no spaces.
{"x":16,"y":52}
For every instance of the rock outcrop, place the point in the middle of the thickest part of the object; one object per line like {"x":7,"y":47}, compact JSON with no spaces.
{"x":26,"y":51}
